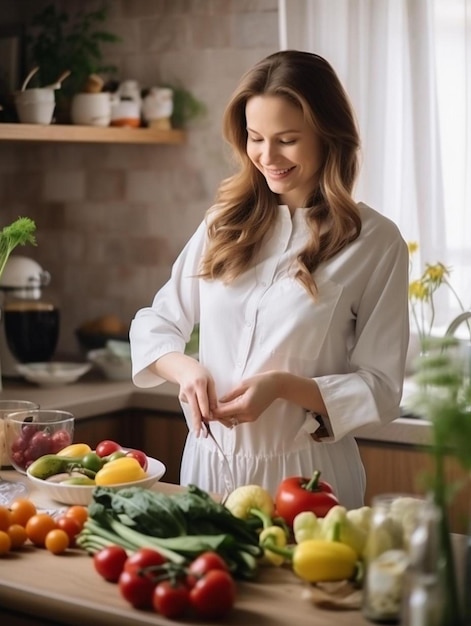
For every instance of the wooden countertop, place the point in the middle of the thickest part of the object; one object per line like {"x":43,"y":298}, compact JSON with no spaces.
{"x":66,"y":590}
{"x":93,"y":395}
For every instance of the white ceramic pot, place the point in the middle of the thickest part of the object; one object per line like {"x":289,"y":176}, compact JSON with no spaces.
{"x":35,"y":106}
{"x":91,"y":109}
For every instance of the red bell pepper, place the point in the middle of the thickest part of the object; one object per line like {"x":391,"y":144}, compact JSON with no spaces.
{"x":297,"y":494}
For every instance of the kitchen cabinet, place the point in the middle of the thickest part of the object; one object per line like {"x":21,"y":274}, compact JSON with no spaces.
{"x":163,"y":437}
{"x":398,"y":468}
{"x":94,"y":429}
{"x":88,"y":134}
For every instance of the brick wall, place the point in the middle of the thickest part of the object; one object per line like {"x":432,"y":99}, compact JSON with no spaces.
{"x":112,"y":218}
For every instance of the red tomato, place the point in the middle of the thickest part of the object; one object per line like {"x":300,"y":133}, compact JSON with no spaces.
{"x":203,"y":564}
{"x":171,"y":599}
{"x":107,"y":447}
{"x":144,"y":557}
{"x":297,"y":494}
{"x":137,"y":590}
{"x":109,"y":562}
{"x":140,"y":456}
{"x":71,"y":526}
{"x":213,"y":595}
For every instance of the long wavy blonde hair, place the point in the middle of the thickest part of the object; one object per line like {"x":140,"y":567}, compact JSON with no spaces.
{"x":245,"y":206}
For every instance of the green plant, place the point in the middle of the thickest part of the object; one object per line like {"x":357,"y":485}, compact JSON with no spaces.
{"x":57,"y":41}
{"x":186,"y":106}
{"x":18,"y":233}
{"x":444,"y":398}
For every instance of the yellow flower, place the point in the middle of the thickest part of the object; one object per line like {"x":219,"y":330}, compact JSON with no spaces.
{"x":436,"y":273}
{"x":422,"y":291}
{"x":418,"y":291}
{"x":413,"y":247}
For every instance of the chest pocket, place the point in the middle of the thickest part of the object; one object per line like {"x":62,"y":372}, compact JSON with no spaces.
{"x":291,"y":323}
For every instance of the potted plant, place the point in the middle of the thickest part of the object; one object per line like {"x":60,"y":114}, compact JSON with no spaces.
{"x":57,"y":41}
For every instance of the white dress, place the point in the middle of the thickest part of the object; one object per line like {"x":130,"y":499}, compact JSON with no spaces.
{"x":353,"y":342}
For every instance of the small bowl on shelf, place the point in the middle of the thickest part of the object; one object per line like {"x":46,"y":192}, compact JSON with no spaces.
{"x":82,"y":494}
{"x":114,"y":360}
{"x":30,"y":434}
{"x":52,"y":373}
{"x":94,"y":341}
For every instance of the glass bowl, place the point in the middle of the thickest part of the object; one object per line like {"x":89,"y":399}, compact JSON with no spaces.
{"x":7,"y":407}
{"x":34,"y":433}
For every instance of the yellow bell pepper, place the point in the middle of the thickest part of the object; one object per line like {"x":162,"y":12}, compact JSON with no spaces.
{"x":273,"y":536}
{"x":75,"y":450}
{"x":123,"y":470}
{"x":317,"y":560}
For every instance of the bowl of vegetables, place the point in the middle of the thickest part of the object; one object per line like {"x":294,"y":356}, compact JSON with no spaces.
{"x":71,"y":475}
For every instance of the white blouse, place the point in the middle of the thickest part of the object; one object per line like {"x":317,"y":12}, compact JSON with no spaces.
{"x":352,"y":341}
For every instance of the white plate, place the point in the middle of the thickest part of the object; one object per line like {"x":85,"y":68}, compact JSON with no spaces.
{"x":82,"y":494}
{"x":53,"y":372}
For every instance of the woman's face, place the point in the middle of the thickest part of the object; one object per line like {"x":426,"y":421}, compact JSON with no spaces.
{"x":285,"y":149}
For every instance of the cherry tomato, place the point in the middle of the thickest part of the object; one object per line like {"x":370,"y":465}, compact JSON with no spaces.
{"x":109,"y":562}
{"x":21,"y":509}
{"x":171,"y":599}
{"x":92,"y":461}
{"x":17,"y":534}
{"x":78,"y":512}
{"x":213,"y":595}
{"x":297,"y":494}
{"x":144,"y":557}
{"x":140,"y":456}
{"x":5,"y":542}
{"x":203,"y":564}
{"x":38,"y":526}
{"x":107,"y":447}
{"x":57,"y":541}
{"x":71,"y":526}
{"x":136,"y":589}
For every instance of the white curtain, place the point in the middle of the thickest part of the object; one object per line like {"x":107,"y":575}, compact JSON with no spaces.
{"x":406,"y":65}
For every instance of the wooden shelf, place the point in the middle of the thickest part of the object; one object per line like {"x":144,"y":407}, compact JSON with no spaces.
{"x":89,"y":134}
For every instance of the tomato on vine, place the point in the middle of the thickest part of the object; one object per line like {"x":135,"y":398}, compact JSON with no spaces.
{"x":171,"y":598}
{"x":109,"y":562}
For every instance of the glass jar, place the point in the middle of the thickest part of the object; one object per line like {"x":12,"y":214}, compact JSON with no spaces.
{"x":424,"y":600}
{"x":386,"y":556}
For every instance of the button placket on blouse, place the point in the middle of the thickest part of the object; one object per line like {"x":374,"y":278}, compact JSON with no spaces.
{"x":275,"y":248}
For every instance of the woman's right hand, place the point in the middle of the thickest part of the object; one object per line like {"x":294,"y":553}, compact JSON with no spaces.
{"x":197,"y":387}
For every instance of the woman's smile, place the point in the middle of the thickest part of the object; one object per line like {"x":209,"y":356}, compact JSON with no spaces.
{"x":284,"y":147}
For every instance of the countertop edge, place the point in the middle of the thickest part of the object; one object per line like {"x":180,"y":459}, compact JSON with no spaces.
{"x":93,"y":396}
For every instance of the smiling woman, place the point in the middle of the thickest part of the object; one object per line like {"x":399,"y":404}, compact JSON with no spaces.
{"x":412,"y":104}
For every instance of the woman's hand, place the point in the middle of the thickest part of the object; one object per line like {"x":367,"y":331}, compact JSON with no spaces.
{"x":247,"y":401}
{"x":197,"y":386}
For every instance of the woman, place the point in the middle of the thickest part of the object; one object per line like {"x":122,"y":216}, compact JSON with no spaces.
{"x":300,"y":293}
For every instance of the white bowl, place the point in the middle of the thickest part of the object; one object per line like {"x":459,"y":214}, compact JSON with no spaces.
{"x":53,"y":373}
{"x":82,"y":494}
{"x":114,"y":366}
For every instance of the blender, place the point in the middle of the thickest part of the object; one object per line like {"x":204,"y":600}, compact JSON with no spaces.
{"x":29,"y":327}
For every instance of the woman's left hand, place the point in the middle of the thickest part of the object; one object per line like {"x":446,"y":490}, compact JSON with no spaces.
{"x":247,"y":401}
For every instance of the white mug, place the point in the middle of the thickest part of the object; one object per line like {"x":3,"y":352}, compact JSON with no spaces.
{"x":91,"y":109}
